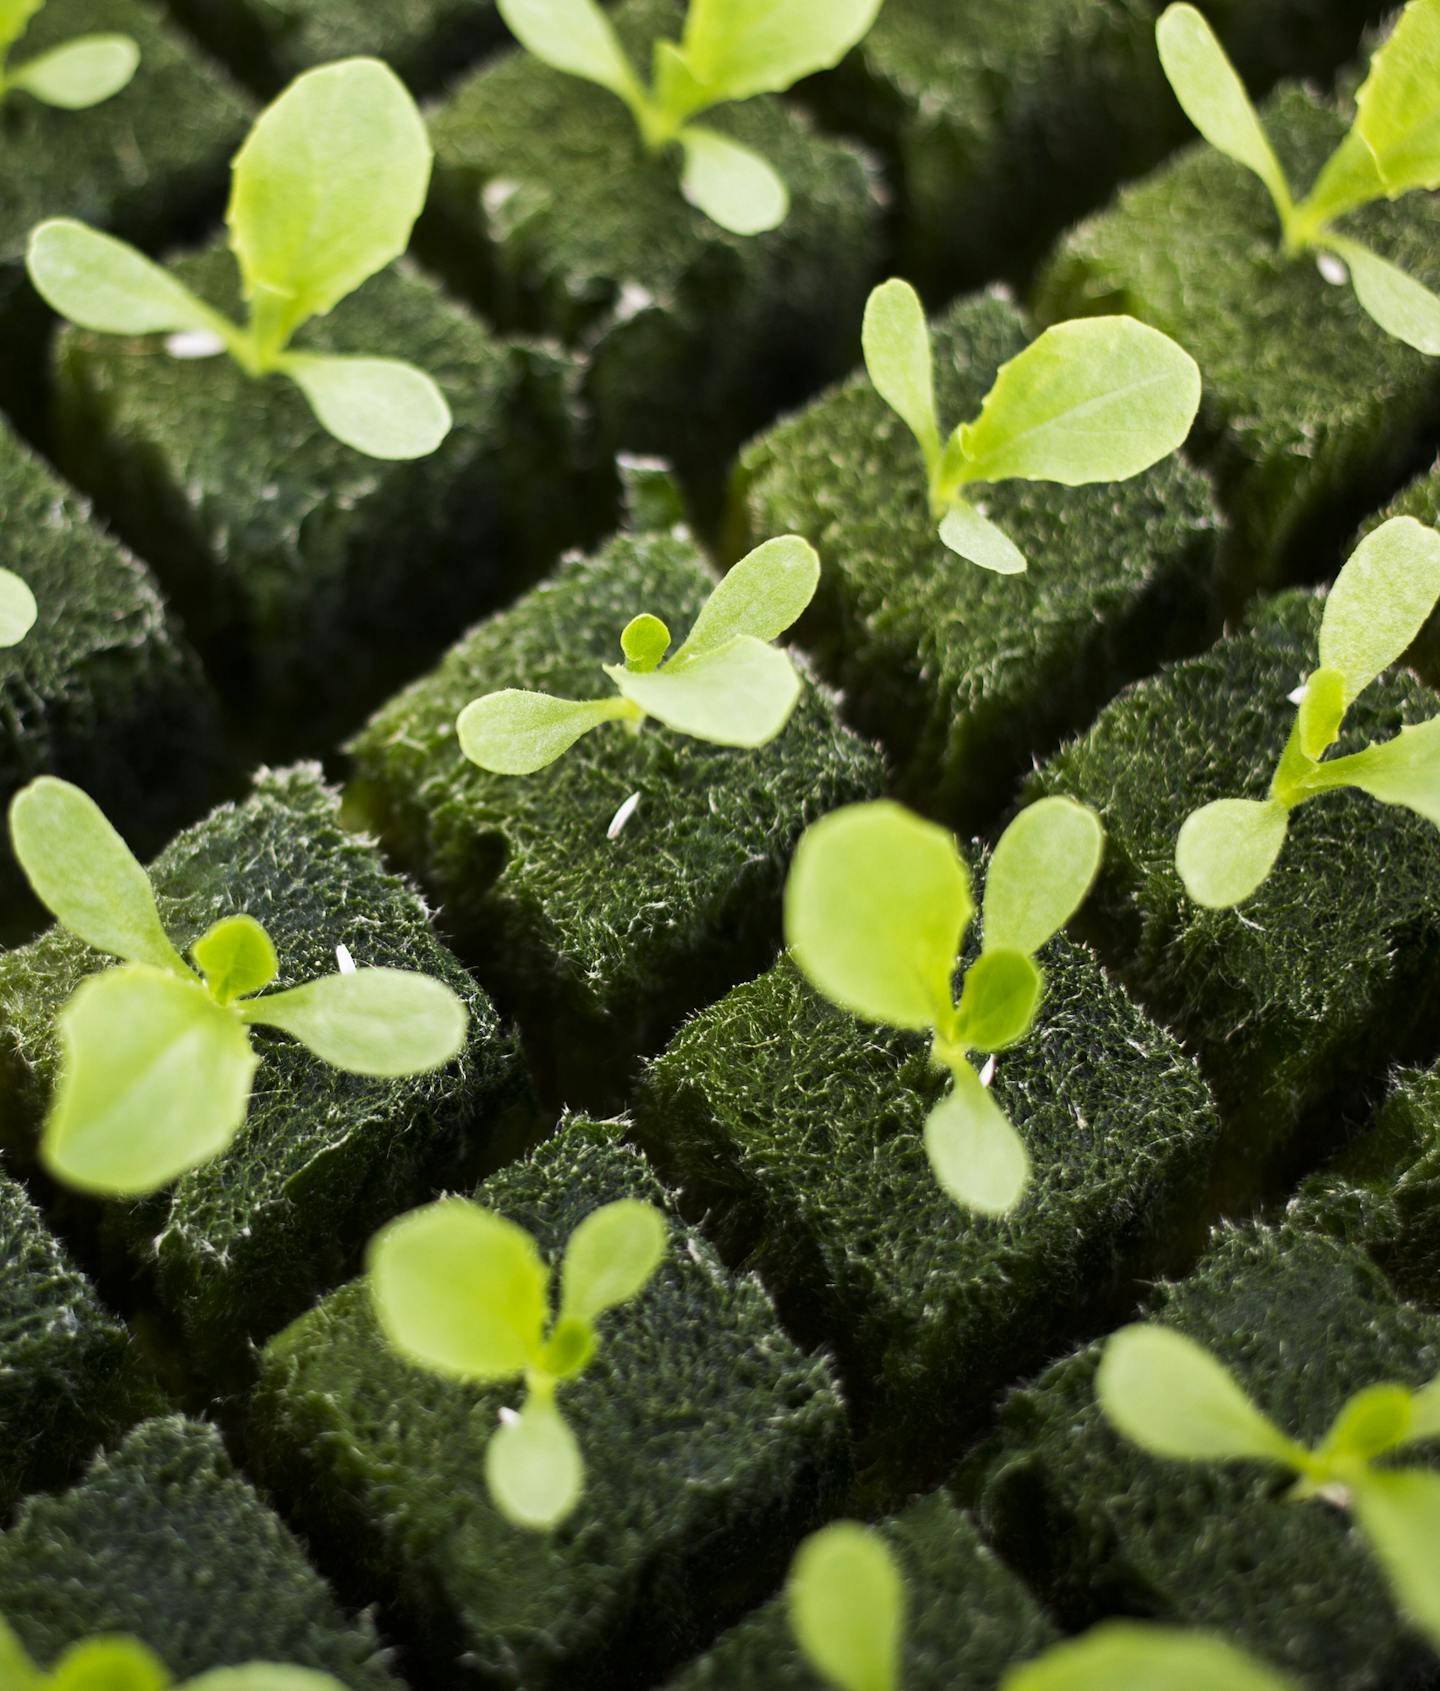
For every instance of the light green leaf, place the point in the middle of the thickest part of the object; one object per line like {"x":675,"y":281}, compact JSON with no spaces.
{"x":1098,"y":399}
{"x":236,"y":958}
{"x":762,"y":596}
{"x":15,"y":16}
{"x":1397,"y":108}
{"x":515,"y":732}
{"x":327,"y":187}
{"x":876,"y":905}
{"x":1372,"y":1423}
{"x":1139,"y":1656}
{"x":263,"y":1676}
{"x":1226,"y":849}
{"x":154,"y":1080}
{"x":1380,"y":601}
{"x":846,"y":1598}
{"x":86,"y":876}
{"x":1173,"y":1398}
{"x":732,"y":184}
{"x":81,"y":73}
{"x":460,"y":1290}
{"x":16,"y":1668}
{"x":1399,"y":1514}
{"x":1403,"y":771}
{"x":1322,"y":710}
{"x":534,"y":1469}
{"x":1401,"y":306}
{"x":108,"y":1664}
{"x":738,"y":694}
{"x":381,"y":1022}
{"x":611,"y":1257}
{"x":1001,"y":995}
{"x":896,"y":341}
{"x":573,"y":36}
{"x":979,"y":541}
{"x":1214,"y":99}
{"x":18,"y":609}
{"x":1042,"y":868}
{"x":975,"y":1153}
{"x":382,"y":407}
{"x":1425,"y":1413}
{"x":644,"y":641}
{"x":742,"y":47}
{"x":101,"y":283}
{"x":1350,"y":179}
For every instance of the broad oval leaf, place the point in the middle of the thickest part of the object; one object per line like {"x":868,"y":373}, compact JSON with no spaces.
{"x":1373,"y":1422}
{"x":81,"y":73}
{"x":895,"y":338}
{"x":738,"y":694}
{"x":1403,"y":307}
{"x":106,"y":1664}
{"x":1397,"y":108}
{"x":381,"y":1022}
{"x":534,"y":1469}
{"x":876,"y":905}
{"x":732,"y":184}
{"x":382,"y":407}
{"x":86,"y":876}
{"x":1399,"y":1514}
{"x":1045,"y":863}
{"x":972,"y":536}
{"x":263,"y":1676}
{"x":975,"y":1153}
{"x":515,"y":732}
{"x":1097,"y":399}
{"x":610,"y":1257}
{"x":18,"y":609}
{"x":1225,"y":850}
{"x":762,"y":596}
{"x":236,"y":958}
{"x":737,"y":48}
{"x":1380,"y":601}
{"x":846,"y":1598}
{"x":154,"y":1080}
{"x":460,"y":1290}
{"x":1001,"y":995}
{"x":1173,"y":1398}
{"x":573,"y":36}
{"x":1403,"y":771}
{"x":101,"y":283}
{"x":1322,"y":710}
{"x":1140,"y":1656}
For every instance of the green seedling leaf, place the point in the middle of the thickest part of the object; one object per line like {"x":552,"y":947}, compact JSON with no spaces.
{"x":876,"y":905}
{"x":80,"y":73}
{"x":1171,"y":1397}
{"x":1398,"y":111}
{"x":1044,"y":865}
{"x":1322,"y":710}
{"x":515,"y":733}
{"x":382,"y":407}
{"x":1380,"y":601}
{"x":1401,"y":306}
{"x":1226,"y":849}
{"x":975,"y":1153}
{"x":738,"y":48}
{"x":381,"y":1022}
{"x":86,"y":876}
{"x":730,"y":183}
{"x":1372,"y":1423}
{"x":761,"y":596}
{"x":972,"y":536}
{"x":534,"y":1468}
{"x":738,"y":694}
{"x":576,"y":37}
{"x":108,"y":1664}
{"x":896,"y":342}
{"x":15,"y":16}
{"x":1002,"y":993}
{"x":1403,"y":771}
{"x":1425,"y":1413}
{"x":644,"y":641}
{"x":846,"y":1598}
{"x":16,"y":1668}
{"x":18,"y":609}
{"x":1399,"y":1514}
{"x":236,"y":958}
{"x":1137,"y":1656}
{"x":263,"y":1676}
{"x":154,"y":1080}
{"x":101,"y":283}
{"x":610,"y":1258}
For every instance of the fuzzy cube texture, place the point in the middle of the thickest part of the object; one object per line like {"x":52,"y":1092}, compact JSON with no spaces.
{"x":966,"y":674}
{"x":1098,"y":1526}
{"x":163,"y":1540}
{"x":607,"y":943}
{"x":1310,"y":408}
{"x":1328,"y":970}
{"x":313,"y":578}
{"x":711,"y":1444}
{"x":240,"y":1245}
{"x":967,"y":1618}
{"x":550,"y":212}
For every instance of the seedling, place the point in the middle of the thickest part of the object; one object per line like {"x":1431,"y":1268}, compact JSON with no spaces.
{"x":465,"y":1293}
{"x":1141,"y":1656}
{"x":730,"y":50}
{"x":726,"y":683}
{"x":1393,"y":148}
{"x":876,"y":909}
{"x":1379,"y":603}
{"x":156,"y":1058}
{"x":1099,"y":399}
{"x":79,"y":73}
{"x":118,"y":1663}
{"x":1174,"y":1399}
{"x":18,"y":609}
{"x":325,"y":191}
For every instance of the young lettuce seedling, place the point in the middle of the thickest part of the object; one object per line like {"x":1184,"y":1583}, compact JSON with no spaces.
{"x":730,"y":50}
{"x":79,"y":73}
{"x":726,"y":683}
{"x":18,"y":609}
{"x":1141,"y":1656}
{"x":1099,"y":399}
{"x":325,"y":191}
{"x":1174,"y":1399}
{"x":156,"y":1059}
{"x":1394,"y":147}
{"x":461,"y":1291}
{"x":118,"y":1663}
{"x":876,"y":908}
{"x":1379,"y":603}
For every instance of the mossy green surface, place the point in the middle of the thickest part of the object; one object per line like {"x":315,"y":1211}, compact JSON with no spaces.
{"x":548,"y":210}
{"x":1310,"y":408}
{"x":966,"y":674}
{"x":967,"y":1618}
{"x":240,"y":1245}
{"x":312,"y":577}
{"x":1100,"y":1527}
{"x":711,"y":1445}
{"x":602,"y":944}
{"x":1312,"y":984}
{"x":163,"y":1540}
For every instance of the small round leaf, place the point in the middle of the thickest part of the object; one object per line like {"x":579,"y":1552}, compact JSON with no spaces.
{"x":847,"y":1605}
{"x":1373,"y":1422}
{"x":976,"y":1154}
{"x":731,"y":184}
{"x":101,"y":283}
{"x":969,"y":534}
{"x":1139,"y":1656}
{"x":515,"y":732}
{"x":738,"y":694}
{"x":1225,"y":850}
{"x":263,"y":1676}
{"x":1380,"y":601}
{"x":379,"y":406}
{"x":762,"y":596}
{"x":236,"y":958}
{"x":1001,"y":994}
{"x":534,"y":1469}
{"x":18,"y":609}
{"x":611,"y":1257}
{"x":644,"y":641}
{"x":382,"y":1022}
{"x":1044,"y":865}
{"x":108,"y":1664}
{"x":81,"y":73}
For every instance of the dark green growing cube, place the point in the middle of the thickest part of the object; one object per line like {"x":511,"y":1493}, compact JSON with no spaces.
{"x":966,"y":674}
{"x":602,"y":943}
{"x":549,"y":211}
{"x":1099,"y":1527}
{"x":239,"y":1246}
{"x":313,"y":578}
{"x":1311,"y":410}
{"x":164,"y":1541}
{"x":711,"y":1444}
{"x":1329,"y":970}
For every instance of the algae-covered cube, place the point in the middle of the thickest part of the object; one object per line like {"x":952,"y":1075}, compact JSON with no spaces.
{"x":711,"y":1444}
{"x":1311,"y":410}
{"x":963,"y":673}
{"x":164,"y":1541}
{"x":240,"y":1245}
{"x":548,"y":209}
{"x":1098,"y":1526}
{"x":312,"y":577}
